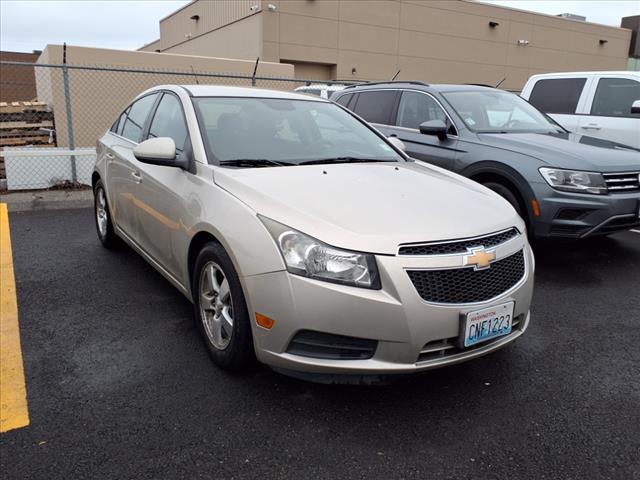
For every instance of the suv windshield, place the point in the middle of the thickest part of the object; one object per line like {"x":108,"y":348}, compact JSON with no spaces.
{"x":263,"y":132}
{"x":498,"y":112}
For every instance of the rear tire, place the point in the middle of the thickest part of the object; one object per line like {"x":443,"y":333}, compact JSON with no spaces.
{"x":102,"y":216}
{"x":220,"y":309}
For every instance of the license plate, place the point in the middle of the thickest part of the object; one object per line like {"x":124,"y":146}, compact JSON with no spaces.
{"x":488,"y":323}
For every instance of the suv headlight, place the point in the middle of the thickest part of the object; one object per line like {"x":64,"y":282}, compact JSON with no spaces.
{"x":308,"y":257}
{"x":574,"y":181}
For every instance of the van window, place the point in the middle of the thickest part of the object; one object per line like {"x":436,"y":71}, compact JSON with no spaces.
{"x":557,"y":95}
{"x":614,"y":97}
{"x":376,"y":107}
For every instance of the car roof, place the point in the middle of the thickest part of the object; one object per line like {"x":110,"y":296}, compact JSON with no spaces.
{"x":229,"y":91}
{"x":415,"y":85}
{"x":602,"y":72}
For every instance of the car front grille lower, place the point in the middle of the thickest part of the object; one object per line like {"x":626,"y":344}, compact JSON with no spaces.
{"x":448,"y":347}
{"x":308,"y":343}
{"x":467,"y":285}
{"x":622,"y":182}
{"x":458,"y":246}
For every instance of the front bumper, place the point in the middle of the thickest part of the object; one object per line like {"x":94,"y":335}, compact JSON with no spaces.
{"x":406,"y":327}
{"x":573,"y":215}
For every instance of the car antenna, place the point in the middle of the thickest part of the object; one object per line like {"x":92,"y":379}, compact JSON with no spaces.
{"x":500,"y":82}
{"x":195,"y":75}
{"x":255,"y":69}
{"x":394,"y":77}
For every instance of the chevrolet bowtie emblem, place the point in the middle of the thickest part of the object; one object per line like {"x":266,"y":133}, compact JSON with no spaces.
{"x":479,"y":258}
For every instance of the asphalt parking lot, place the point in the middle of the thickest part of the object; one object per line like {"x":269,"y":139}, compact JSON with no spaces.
{"x":120,"y":386}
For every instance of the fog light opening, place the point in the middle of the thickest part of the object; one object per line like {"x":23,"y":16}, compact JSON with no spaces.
{"x":264,"y":321}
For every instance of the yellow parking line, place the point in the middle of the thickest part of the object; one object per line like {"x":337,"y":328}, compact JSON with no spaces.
{"x":13,"y":392}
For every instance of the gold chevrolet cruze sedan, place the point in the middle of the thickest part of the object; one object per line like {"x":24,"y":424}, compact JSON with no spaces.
{"x":308,"y":240}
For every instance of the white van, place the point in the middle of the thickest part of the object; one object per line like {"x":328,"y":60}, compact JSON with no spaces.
{"x":597,"y":104}
{"x":321,"y":90}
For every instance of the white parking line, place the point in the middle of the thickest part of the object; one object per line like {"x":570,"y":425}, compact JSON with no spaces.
{"x":635,"y":231}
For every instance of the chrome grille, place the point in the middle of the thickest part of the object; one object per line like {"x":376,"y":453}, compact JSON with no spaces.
{"x":458,"y":246}
{"x":622,"y":182}
{"x":467,"y":285}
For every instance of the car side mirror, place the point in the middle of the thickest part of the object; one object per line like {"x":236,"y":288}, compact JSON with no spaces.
{"x":158,"y":151}
{"x":635,"y":107}
{"x":434,"y":127}
{"x":396,"y":142}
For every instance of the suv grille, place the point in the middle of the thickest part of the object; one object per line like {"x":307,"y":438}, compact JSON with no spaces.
{"x":467,"y":285}
{"x":461,"y":246}
{"x":622,"y":182}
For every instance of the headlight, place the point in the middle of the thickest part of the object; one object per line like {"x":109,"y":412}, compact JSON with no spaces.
{"x":306,"y":256}
{"x":574,"y":181}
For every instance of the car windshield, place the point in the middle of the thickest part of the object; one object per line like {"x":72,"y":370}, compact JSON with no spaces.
{"x":497,"y":111}
{"x":264,"y":132}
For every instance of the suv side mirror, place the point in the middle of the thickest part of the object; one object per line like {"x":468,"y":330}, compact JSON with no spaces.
{"x":635,"y":107}
{"x":434,"y":127}
{"x":158,"y":151}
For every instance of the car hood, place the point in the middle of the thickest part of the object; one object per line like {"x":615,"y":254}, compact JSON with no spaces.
{"x":568,"y":150}
{"x":371,"y":207}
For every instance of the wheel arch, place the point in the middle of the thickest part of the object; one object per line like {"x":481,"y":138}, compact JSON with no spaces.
{"x":497,"y":172}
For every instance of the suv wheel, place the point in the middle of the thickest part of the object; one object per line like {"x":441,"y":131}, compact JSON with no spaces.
{"x":221,"y":310}
{"x":507,"y":194}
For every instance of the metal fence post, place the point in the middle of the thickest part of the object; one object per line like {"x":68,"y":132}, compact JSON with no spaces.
{"x":67,"y":102}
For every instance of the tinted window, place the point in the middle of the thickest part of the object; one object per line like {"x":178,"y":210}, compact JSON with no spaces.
{"x":344,"y":99}
{"x":416,"y":108}
{"x":292,"y":131}
{"x":375,"y":107}
{"x":168,"y":121}
{"x":614,"y":97}
{"x":138,"y":113}
{"x":557,"y":95}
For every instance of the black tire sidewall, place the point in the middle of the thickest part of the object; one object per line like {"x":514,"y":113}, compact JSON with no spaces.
{"x":508,"y":195}
{"x":109,"y":239}
{"x":239,"y":353}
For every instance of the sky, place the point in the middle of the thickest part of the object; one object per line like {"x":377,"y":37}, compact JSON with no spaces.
{"x":27,"y":25}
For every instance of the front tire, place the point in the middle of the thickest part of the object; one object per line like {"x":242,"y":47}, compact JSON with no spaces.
{"x":508,"y":195}
{"x":102,"y":216}
{"x":220,"y":309}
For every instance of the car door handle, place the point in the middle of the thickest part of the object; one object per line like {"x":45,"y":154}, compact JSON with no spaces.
{"x":592,"y":126}
{"x":136,"y":177}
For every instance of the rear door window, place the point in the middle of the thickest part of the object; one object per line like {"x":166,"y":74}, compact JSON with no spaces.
{"x":557,"y":95}
{"x":614,"y":97}
{"x":344,"y":99}
{"x":137,"y":117}
{"x":376,"y":107}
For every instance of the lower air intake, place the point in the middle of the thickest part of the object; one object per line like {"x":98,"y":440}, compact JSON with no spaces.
{"x":308,"y":343}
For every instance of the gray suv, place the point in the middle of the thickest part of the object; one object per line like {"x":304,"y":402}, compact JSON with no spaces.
{"x":563,"y":184}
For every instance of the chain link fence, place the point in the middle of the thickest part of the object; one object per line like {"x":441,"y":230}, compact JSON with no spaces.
{"x":48,"y":133}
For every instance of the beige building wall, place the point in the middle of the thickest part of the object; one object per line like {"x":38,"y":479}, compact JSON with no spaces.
{"x":434,"y":41}
{"x":98,"y":96}
{"x":151,"y":46}
{"x":237,"y":40}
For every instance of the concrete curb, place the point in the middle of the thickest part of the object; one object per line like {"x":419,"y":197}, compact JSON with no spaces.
{"x":47,"y":200}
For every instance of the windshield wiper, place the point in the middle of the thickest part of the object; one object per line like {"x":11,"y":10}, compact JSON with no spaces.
{"x":253,"y":162}
{"x":321,"y":161}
